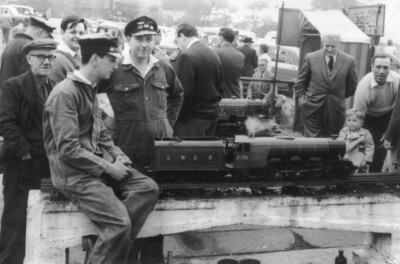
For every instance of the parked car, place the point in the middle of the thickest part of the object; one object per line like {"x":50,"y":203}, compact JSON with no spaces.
{"x":16,"y":15}
{"x":288,"y":65}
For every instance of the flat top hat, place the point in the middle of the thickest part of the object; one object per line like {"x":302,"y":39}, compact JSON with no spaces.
{"x":42,"y":23}
{"x":100,"y":43}
{"x":247,"y":40}
{"x":140,"y":26}
{"x":38,"y":44}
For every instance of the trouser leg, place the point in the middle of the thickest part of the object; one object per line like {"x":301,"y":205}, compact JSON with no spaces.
{"x":13,"y":222}
{"x":139,"y":194}
{"x":377,"y":126}
{"x":99,"y":203}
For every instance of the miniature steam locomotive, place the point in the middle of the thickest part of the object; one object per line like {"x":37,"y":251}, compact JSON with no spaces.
{"x":233,"y":112}
{"x":241,"y":157}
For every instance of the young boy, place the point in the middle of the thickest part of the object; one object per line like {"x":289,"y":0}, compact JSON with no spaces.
{"x":359,"y":142}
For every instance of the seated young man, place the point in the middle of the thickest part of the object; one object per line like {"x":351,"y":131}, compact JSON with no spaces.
{"x":84,"y":162}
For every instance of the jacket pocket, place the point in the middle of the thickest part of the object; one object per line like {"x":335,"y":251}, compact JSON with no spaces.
{"x":161,"y":93}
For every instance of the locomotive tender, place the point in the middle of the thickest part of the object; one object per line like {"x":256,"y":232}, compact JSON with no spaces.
{"x":243,"y":157}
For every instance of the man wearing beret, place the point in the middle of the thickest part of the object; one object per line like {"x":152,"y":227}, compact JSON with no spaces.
{"x":13,"y":61}
{"x":21,"y":106}
{"x":68,"y":51}
{"x":200,"y":71}
{"x":146,"y":96}
{"x":80,"y":149}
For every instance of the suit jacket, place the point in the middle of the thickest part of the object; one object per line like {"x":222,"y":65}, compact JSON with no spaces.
{"x":20,"y":122}
{"x":13,"y":62}
{"x":250,"y":60}
{"x":315,"y":86}
{"x":200,"y":72}
{"x":232,"y":67}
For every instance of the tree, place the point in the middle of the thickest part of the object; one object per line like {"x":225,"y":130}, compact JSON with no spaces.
{"x":333,"y":4}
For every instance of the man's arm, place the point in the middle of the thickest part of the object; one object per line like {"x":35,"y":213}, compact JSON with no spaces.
{"x":186,"y":76}
{"x":392,"y":131}
{"x":14,"y":141}
{"x":63,"y":118}
{"x":304,"y":78}
{"x":351,"y":79}
{"x":361,"y":96}
{"x":254,"y":59}
{"x":174,"y":95}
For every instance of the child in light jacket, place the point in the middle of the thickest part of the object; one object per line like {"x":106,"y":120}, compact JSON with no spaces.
{"x":359,"y":142}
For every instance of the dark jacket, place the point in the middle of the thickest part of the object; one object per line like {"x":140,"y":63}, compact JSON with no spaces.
{"x":250,"y":60}
{"x":316,"y":87}
{"x":13,"y":62}
{"x":200,"y":72}
{"x":144,"y":108}
{"x":21,"y":117}
{"x":232,"y":67}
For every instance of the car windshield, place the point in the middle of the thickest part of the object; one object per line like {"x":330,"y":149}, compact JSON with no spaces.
{"x":24,"y":11}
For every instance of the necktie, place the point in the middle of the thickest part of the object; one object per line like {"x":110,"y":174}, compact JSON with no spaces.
{"x":330,"y":63}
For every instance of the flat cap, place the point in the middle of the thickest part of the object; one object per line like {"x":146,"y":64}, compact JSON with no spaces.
{"x":42,"y":23}
{"x":49,"y":44}
{"x":140,"y":26}
{"x":100,"y":43}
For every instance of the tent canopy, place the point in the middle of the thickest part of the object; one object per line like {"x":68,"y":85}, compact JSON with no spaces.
{"x":338,"y":23}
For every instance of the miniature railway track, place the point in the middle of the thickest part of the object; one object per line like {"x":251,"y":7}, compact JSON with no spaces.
{"x":370,"y":178}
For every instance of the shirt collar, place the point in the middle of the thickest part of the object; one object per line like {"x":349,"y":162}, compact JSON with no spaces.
{"x":328,"y":57}
{"x":64,"y":47}
{"x":388,"y":80}
{"x":194,"y":40}
{"x":152,"y":60}
{"x":83,"y":78}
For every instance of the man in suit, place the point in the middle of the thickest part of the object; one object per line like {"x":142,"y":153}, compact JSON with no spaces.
{"x":250,"y":57}
{"x":21,"y":105}
{"x":327,"y":77}
{"x":232,"y":63}
{"x":13,"y":61}
{"x":200,"y":72}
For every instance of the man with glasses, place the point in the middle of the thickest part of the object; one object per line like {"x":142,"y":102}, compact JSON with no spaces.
{"x":13,"y":61}
{"x":68,"y":51}
{"x":376,"y":95}
{"x":21,"y":107}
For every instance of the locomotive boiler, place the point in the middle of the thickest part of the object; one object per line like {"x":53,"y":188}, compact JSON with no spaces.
{"x":241,"y":157}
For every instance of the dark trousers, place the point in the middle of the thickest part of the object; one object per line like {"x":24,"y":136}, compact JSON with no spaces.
{"x":377,"y":126}
{"x":317,"y":124}
{"x":19,"y":178}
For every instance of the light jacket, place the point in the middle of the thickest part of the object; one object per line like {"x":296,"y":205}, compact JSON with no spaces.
{"x":359,"y":148}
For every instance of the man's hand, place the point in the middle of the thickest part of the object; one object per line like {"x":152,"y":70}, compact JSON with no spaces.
{"x":124,"y":159}
{"x":117,"y":170}
{"x":387,"y":144}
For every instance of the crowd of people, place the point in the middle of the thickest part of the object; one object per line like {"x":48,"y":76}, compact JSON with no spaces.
{"x":53,"y":127}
